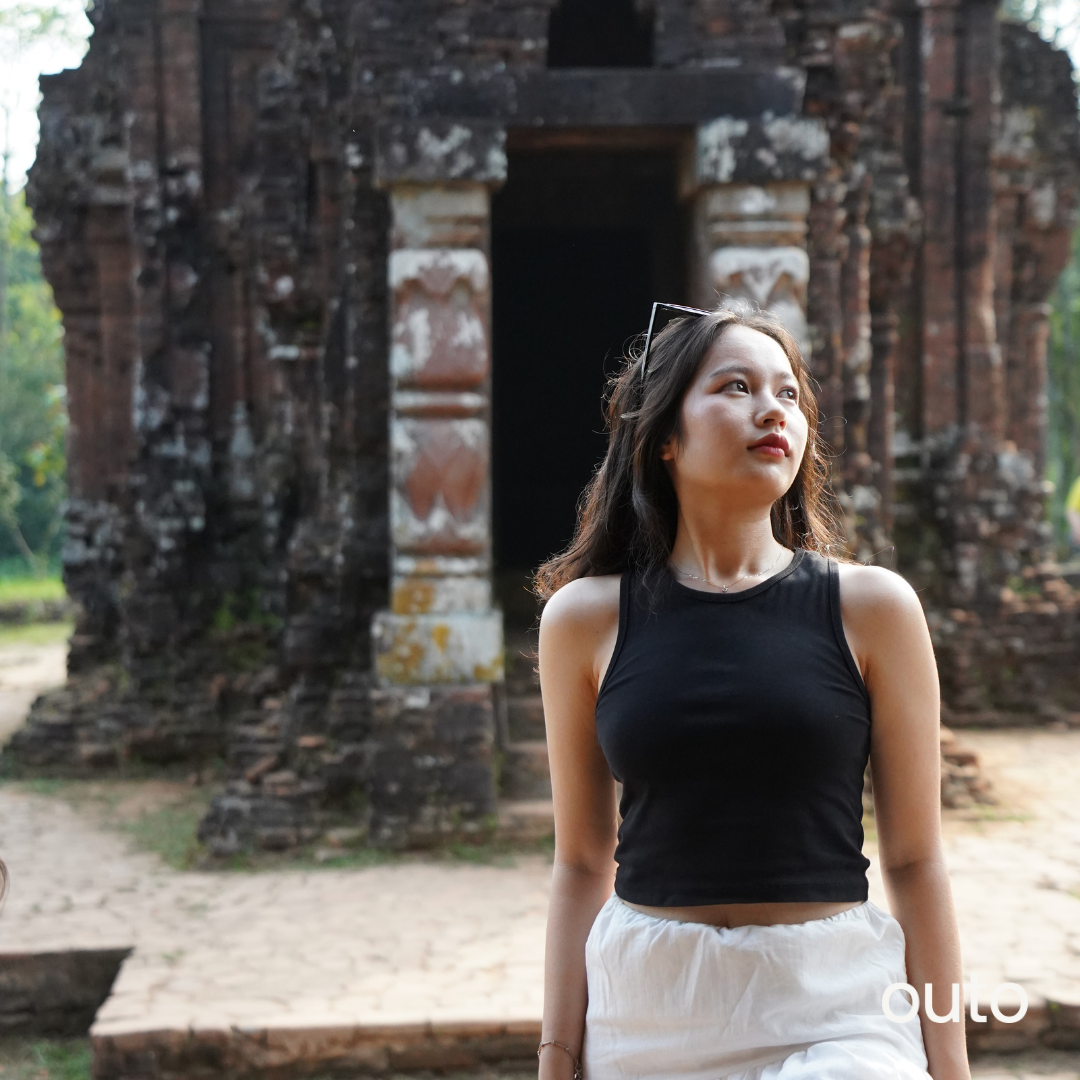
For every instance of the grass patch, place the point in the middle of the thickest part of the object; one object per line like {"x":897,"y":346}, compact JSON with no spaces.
{"x":500,"y":853}
{"x":22,"y":590}
{"x":160,"y":816}
{"x":169,"y":831}
{"x":318,"y":858}
{"x":45,"y":1059}
{"x":49,"y":633}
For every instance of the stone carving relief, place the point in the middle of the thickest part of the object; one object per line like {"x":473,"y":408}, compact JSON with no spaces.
{"x":440,"y":472}
{"x":774,"y":278}
{"x":439,"y":334}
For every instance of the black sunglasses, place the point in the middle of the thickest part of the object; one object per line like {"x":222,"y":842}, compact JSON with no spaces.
{"x":667,"y":312}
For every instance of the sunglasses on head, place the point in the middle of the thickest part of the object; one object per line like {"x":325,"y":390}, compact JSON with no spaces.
{"x":661,"y":315}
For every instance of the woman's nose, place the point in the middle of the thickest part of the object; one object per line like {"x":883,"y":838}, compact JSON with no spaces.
{"x":773,"y":410}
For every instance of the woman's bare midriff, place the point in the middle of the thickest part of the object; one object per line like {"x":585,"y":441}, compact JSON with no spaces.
{"x":748,"y":914}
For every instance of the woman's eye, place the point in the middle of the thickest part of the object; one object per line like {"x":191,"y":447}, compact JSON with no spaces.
{"x":792,"y":391}
{"x":736,"y":384}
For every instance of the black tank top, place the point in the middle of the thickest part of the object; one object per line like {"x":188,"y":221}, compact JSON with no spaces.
{"x":739,"y":727}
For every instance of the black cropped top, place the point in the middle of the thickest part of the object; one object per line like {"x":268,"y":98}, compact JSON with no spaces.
{"x":739,"y":727}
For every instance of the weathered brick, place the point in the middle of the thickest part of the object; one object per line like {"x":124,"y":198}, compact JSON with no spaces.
{"x":251,"y":217}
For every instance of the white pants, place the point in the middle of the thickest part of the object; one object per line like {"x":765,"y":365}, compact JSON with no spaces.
{"x":798,"y":1001}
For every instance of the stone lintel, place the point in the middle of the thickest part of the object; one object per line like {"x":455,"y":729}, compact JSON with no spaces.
{"x":760,"y":150}
{"x":446,"y":647}
{"x":615,"y":97}
{"x":440,"y":151}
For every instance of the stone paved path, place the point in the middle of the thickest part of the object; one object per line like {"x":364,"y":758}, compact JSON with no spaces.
{"x":25,"y":671}
{"x":425,"y":940}
{"x":380,"y":945}
{"x":459,"y":941}
{"x":1017,"y":882}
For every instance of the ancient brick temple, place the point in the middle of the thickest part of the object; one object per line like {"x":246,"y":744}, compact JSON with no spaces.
{"x":341,"y":280}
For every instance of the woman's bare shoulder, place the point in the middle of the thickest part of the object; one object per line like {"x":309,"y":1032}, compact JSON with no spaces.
{"x":874,"y":598}
{"x":584,"y":604}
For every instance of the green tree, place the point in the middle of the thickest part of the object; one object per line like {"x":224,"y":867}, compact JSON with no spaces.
{"x":33,"y":416}
{"x":1063,"y":457}
{"x":23,"y":27}
{"x":1057,"y":22}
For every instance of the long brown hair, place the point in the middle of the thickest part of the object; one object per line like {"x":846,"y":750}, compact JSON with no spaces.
{"x":628,"y":512}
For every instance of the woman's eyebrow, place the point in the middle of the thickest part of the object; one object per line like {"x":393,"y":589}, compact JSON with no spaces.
{"x":730,"y":369}
{"x":733,"y":367}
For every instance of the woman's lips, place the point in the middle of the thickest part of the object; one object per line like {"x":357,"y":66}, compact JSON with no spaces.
{"x":772,"y":446}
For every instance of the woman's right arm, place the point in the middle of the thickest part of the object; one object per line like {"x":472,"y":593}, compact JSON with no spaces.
{"x":577,"y":629}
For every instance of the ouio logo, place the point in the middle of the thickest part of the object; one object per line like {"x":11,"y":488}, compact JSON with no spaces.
{"x":954,"y":1013}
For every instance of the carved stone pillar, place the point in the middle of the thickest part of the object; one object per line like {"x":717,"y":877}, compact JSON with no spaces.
{"x":749,"y":182}
{"x":439,"y":647}
{"x":750,"y":241}
{"x":441,"y":627}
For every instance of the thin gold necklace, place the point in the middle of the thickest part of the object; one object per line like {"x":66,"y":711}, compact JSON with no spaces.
{"x":724,"y":588}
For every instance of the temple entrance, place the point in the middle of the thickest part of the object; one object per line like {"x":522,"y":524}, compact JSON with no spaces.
{"x":583,"y":241}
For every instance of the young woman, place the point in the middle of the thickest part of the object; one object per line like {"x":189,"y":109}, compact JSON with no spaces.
{"x":699,"y":645}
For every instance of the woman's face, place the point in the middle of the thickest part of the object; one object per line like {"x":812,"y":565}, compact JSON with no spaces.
{"x":743,"y":433}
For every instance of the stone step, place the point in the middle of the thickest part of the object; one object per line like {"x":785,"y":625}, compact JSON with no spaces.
{"x":525,"y":773}
{"x":494,"y":1047}
{"x":526,"y":717}
{"x":525,"y":819}
{"x":55,"y":993}
{"x":498,"y":1047}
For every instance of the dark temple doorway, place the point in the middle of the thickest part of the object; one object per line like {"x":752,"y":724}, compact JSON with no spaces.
{"x":583,"y":241}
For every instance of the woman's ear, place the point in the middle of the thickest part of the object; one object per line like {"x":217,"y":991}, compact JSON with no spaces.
{"x":668,"y":450}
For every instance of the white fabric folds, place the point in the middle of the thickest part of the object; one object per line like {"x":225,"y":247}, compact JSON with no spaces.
{"x":802,"y":1001}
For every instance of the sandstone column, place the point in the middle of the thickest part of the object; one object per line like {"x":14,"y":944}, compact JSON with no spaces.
{"x":439,"y":646}
{"x":749,"y":182}
{"x":750,"y":242}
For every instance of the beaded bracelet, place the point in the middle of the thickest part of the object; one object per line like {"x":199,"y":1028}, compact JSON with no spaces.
{"x":578,"y":1075}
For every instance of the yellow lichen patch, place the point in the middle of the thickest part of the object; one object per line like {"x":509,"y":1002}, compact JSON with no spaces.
{"x":492,"y":672}
{"x":403,"y":660}
{"x":413,"y":596}
{"x":440,"y":634}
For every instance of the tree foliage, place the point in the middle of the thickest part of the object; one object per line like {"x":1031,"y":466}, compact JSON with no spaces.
{"x":33,"y":414}
{"x":24,"y":25}
{"x":1058,"y":21}
{"x":1063,"y":458}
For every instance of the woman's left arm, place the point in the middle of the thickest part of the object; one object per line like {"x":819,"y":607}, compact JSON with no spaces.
{"x":888,"y":635}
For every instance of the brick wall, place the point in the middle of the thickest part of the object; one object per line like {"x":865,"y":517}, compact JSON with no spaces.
{"x":217,"y":238}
